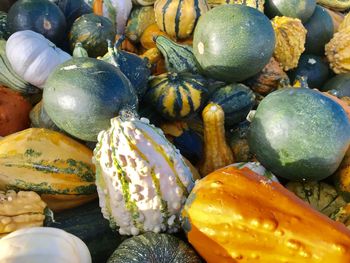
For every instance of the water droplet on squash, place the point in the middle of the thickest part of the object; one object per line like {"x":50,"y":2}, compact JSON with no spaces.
{"x":279,"y":233}
{"x":254,"y":256}
{"x":216,"y":184}
{"x":293,"y":244}
{"x":339,"y":248}
{"x":270,"y":224}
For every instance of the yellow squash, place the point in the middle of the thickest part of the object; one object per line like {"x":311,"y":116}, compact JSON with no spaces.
{"x":49,"y":163}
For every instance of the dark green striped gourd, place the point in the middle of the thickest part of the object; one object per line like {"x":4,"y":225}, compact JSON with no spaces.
{"x":178,"y":18}
{"x":142,"y":180}
{"x":177,"y":95}
{"x":4,"y":31}
{"x":178,"y":58}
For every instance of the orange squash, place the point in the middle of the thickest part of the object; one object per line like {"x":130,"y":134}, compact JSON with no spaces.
{"x":127,"y":45}
{"x":147,"y":37}
{"x":237,"y":215}
{"x":14,"y":112}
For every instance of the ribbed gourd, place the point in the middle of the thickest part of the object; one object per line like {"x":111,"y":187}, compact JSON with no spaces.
{"x":178,"y":18}
{"x":217,"y":152}
{"x":19,"y":210}
{"x":49,"y":163}
{"x":290,"y":40}
{"x":177,"y":95}
{"x":257,"y":4}
{"x":142,"y":180}
{"x":338,"y":51}
{"x":178,"y":58}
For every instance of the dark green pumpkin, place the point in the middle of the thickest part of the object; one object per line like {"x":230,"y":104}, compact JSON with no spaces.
{"x":87,"y":223}
{"x":314,"y":68}
{"x":299,"y":134}
{"x":177,"y":95}
{"x":178,"y":58}
{"x":320,"y":30}
{"x":340,"y":85}
{"x":236,"y":100}
{"x":154,"y":248}
{"x":4,"y":30}
{"x":134,"y":68}
{"x":83,"y":94}
{"x":41,"y":16}
{"x":92,"y":31}
{"x":302,"y":9}
{"x":233,"y":42}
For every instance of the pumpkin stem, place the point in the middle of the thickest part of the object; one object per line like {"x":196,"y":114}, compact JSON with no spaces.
{"x":119,"y":42}
{"x":112,"y":52}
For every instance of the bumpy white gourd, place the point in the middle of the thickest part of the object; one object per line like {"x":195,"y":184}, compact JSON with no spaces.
{"x":43,"y":245}
{"x":33,"y":57}
{"x":142,"y":179}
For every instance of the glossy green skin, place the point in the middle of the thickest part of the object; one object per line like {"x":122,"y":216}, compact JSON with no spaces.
{"x":40,"y":16}
{"x":87,"y":223}
{"x":314,"y":68}
{"x":299,"y":134}
{"x":302,"y":9}
{"x":92,"y":31}
{"x":320,"y":30}
{"x":154,"y":248}
{"x":340,"y":84}
{"x":4,"y":31}
{"x":233,"y":42}
{"x":83,"y":94}
{"x":236,"y":100}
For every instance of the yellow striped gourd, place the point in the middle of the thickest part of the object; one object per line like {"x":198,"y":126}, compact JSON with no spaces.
{"x":257,"y":4}
{"x":178,"y":18}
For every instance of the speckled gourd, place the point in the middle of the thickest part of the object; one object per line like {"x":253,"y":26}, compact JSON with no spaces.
{"x":142,"y":180}
{"x":290,"y":40}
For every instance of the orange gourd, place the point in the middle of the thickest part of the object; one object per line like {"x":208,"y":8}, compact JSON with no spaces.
{"x":126,"y":45}
{"x":147,"y":37}
{"x":237,"y":215}
{"x":14,"y":112}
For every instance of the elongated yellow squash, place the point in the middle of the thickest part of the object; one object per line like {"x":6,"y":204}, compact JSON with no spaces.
{"x":49,"y":163}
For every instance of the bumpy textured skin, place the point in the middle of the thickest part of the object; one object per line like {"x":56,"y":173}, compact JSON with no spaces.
{"x":151,"y":247}
{"x":290,"y":41}
{"x":257,"y":4}
{"x":232,"y":216}
{"x":321,"y":196}
{"x":342,"y":215}
{"x":19,"y":210}
{"x":342,"y":177}
{"x":338,"y":51}
{"x":142,"y":180}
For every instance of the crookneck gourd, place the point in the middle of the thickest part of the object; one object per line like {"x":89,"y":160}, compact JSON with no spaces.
{"x":232,"y":215}
{"x":290,"y":41}
{"x":217,"y":152}
{"x":20,"y":210}
{"x":142,"y":180}
{"x":49,"y":163}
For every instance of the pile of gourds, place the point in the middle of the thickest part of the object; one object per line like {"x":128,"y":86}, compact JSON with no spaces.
{"x":174,"y":131}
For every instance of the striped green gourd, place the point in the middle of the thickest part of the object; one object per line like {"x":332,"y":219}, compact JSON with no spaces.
{"x":178,"y":18}
{"x":9,"y":78}
{"x":178,"y":58}
{"x":142,"y":179}
{"x":177,"y":95}
{"x":4,"y":31}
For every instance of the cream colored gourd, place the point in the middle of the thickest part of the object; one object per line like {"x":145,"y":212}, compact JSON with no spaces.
{"x":43,"y":245}
{"x":33,"y":57}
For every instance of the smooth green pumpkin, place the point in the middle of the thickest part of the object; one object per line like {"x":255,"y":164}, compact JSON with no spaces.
{"x":83,"y":94}
{"x":224,"y":59}
{"x":293,"y":134}
{"x":340,"y":84}
{"x":151,"y":247}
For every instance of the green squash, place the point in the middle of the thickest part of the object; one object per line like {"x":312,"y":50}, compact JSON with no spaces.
{"x":177,"y":95}
{"x":233,"y":42}
{"x":4,"y":30}
{"x":11,"y":79}
{"x":83,"y":94}
{"x":339,"y":84}
{"x":302,"y":9}
{"x":236,"y":100}
{"x":87,"y":223}
{"x":154,"y":248}
{"x":40,"y":119}
{"x":314,"y":68}
{"x":293,"y":134}
{"x":140,"y":18}
{"x":92,"y":31}
{"x":41,"y":16}
{"x":178,"y":58}
{"x":320,"y":30}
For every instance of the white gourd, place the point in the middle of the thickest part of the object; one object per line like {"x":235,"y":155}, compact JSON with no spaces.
{"x":43,"y":245}
{"x":33,"y":57}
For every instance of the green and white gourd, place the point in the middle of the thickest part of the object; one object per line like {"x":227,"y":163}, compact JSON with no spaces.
{"x":142,"y":179}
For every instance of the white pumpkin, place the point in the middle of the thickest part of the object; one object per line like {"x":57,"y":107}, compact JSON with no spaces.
{"x":43,"y":245}
{"x":33,"y":57}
